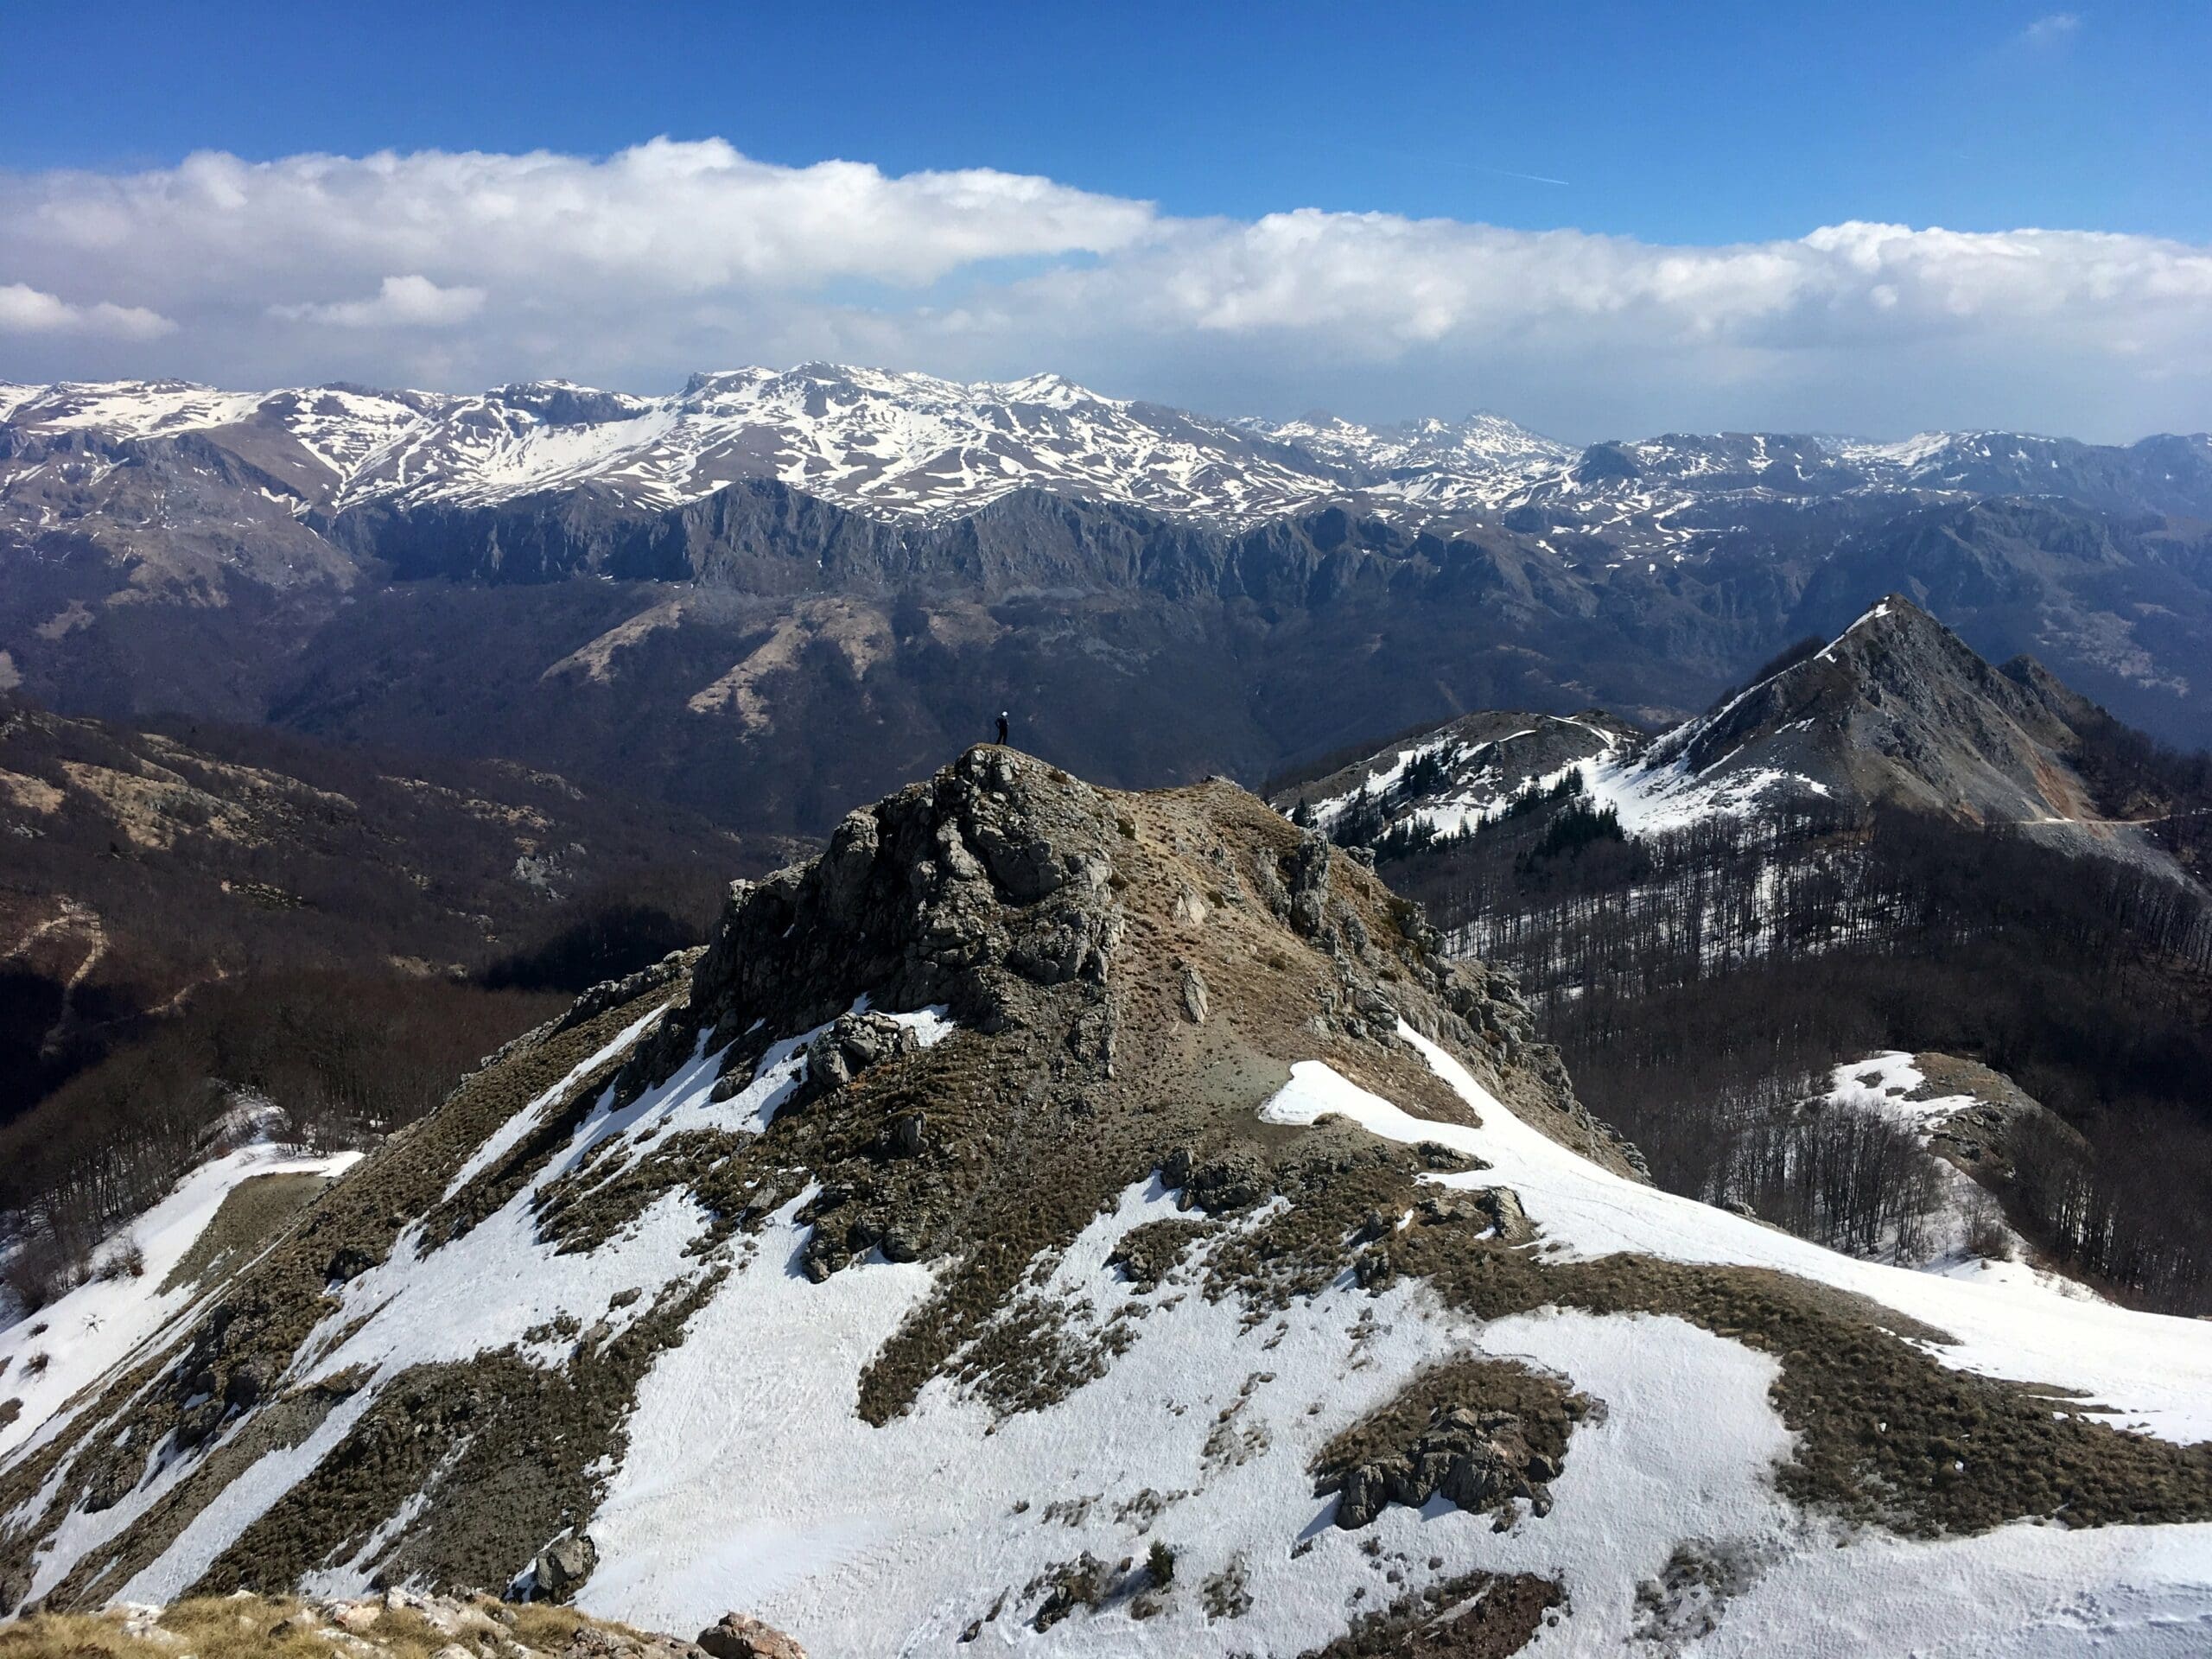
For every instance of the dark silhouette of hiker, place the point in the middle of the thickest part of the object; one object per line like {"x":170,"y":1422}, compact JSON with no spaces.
{"x":1001,"y":728}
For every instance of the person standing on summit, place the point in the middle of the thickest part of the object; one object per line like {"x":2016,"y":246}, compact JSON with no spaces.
{"x":1001,"y":728}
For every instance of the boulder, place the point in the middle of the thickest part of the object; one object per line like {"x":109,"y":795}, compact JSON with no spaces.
{"x":1228,"y":1182}
{"x":242,"y":1391}
{"x":1361,"y":1496}
{"x":349,"y":1262}
{"x":905,"y":1138}
{"x":111,"y":1479}
{"x":848,"y":1046}
{"x":564,"y":1565}
{"x":1194,"y":995}
{"x":196,"y":1424}
{"x":739,"y":1635}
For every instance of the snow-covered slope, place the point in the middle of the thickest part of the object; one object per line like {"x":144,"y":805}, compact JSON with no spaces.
{"x":897,"y":445}
{"x":49,"y":1353}
{"x":1091,"y":1223}
{"x":1430,"y":466}
{"x":1460,"y":776}
{"x":127,"y":409}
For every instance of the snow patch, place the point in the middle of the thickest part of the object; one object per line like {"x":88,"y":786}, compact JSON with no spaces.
{"x":100,"y":1323}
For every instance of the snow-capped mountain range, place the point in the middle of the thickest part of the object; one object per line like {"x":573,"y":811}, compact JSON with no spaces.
{"x":261,"y":556}
{"x":914,"y":447}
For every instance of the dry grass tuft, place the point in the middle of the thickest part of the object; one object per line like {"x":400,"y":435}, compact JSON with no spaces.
{"x":284,"y":1627}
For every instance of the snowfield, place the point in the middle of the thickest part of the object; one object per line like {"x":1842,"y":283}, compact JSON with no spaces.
{"x":1649,"y":792}
{"x":749,"y":1480}
{"x":83,"y":1335}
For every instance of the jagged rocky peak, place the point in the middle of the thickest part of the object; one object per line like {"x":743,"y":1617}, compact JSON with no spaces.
{"x":1082,"y":927}
{"x":1895,"y":711}
{"x":1899,"y":708}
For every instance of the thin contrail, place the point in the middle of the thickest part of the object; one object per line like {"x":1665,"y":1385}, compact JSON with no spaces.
{"x":1508,"y":173}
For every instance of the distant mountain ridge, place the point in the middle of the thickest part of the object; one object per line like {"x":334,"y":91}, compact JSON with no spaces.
{"x":684,"y":594}
{"x":913,"y":447}
{"x":1896,"y":710}
{"x":898,"y":447}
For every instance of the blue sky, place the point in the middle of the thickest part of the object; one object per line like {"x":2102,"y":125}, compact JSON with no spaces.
{"x":1695,"y":127}
{"x":1678,"y":123}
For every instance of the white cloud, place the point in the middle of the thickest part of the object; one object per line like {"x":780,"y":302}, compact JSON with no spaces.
{"x":680,"y":218}
{"x":400,"y":302}
{"x":27,"y":311}
{"x":2053,"y":30}
{"x":464,"y":269}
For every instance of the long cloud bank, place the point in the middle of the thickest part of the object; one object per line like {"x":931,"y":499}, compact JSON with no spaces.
{"x":456,"y":270}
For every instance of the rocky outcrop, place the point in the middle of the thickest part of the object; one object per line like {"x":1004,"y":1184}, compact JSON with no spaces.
{"x":850,"y":1044}
{"x":978,"y":890}
{"x":739,"y":1635}
{"x":563,"y":1565}
{"x":1477,"y":1460}
{"x":1483,"y":1436}
{"x":1195,"y":1000}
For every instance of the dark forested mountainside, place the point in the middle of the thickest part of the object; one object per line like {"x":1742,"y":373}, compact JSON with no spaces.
{"x":1681,"y":972}
{"x":193,"y":916}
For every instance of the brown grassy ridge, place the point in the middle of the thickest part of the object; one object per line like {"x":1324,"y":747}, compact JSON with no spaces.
{"x":1888,"y":1434}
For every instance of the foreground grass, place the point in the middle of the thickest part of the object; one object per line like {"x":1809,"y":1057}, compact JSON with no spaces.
{"x":267,"y":1627}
